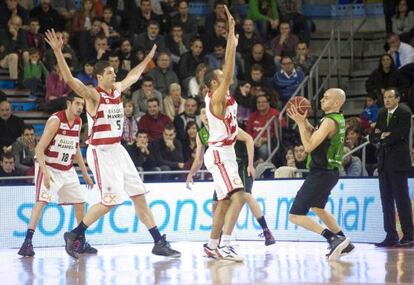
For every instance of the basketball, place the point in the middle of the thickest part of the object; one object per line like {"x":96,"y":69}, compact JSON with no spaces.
{"x":302,"y":104}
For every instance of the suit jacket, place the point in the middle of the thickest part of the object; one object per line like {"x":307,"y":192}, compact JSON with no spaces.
{"x":394,"y":151}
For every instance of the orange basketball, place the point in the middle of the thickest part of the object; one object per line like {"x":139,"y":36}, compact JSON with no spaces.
{"x":302,"y":104}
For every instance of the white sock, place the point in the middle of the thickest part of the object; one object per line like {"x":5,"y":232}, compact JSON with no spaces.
{"x":213,"y":243}
{"x":225,"y":240}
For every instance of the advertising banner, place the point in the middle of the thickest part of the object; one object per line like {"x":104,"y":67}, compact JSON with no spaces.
{"x":186,"y":215}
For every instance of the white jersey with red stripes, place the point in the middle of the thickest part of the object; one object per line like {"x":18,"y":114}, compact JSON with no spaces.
{"x":105,"y":128}
{"x":222,"y":131}
{"x":62,"y":148}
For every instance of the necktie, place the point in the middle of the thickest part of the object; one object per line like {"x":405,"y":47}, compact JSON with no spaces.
{"x":389,"y":115}
{"x":397,"y":59}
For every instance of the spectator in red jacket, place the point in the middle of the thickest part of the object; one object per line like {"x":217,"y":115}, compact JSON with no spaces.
{"x":257,"y":120}
{"x":153,"y":122}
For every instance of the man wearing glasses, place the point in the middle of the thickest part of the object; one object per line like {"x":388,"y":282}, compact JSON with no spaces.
{"x":287,"y":80}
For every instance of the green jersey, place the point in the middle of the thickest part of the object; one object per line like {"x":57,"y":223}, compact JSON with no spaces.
{"x":203,"y":135}
{"x":329,"y":154}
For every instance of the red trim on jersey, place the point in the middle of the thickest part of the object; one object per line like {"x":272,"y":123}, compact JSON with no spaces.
{"x":101,"y":128}
{"x":105,"y":141}
{"x":100,"y":89}
{"x":222,"y":169}
{"x":94,"y":118}
{"x":68,"y":133}
{"x":111,"y":101}
{"x":77,"y":120}
{"x":38,"y":183}
{"x":59,"y":166}
{"x":227,"y":125}
{"x":97,"y":170}
{"x":230,"y":101}
{"x":99,"y":114}
{"x":69,"y":204}
{"x":226,"y":142}
{"x":52,"y":154}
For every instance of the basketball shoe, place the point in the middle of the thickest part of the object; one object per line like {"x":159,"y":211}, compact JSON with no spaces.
{"x":72,"y":244}
{"x":227,"y":252}
{"x":337,"y":245}
{"x":210,"y":252}
{"x":85,"y":247}
{"x":269,"y":239}
{"x":163,"y":247}
{"x":348,"y":249}
{"x":26,"y":249}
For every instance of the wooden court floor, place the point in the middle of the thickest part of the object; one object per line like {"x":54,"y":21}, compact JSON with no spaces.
{"x":282,"y":263}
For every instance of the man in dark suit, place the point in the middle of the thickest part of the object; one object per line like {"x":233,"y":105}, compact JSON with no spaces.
{"x":392,"y":132}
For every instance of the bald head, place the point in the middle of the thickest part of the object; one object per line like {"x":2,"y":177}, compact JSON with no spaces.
{"x":332,"y":100}
{"x":339,"y":95}
{"x":15,"y":21}
{"x":5,"y":110}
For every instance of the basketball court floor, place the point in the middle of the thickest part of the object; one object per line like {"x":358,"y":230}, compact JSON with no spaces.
{"x":282,"y":263}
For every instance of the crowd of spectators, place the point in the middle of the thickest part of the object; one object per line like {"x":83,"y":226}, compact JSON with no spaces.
{"x":161,"y":109}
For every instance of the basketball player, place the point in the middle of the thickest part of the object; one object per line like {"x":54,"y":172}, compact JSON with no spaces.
{"x":110,"y":163}
{"x":220,"y":157}
{"x":325,"y":146}
{"x":54,"y":171}
{"x":202,"y":143}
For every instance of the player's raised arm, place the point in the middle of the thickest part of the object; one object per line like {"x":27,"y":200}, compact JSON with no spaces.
{"x":218,"y":99}
{"x":56,"y":42}
{"x":248,"y":140}
{"x":136,"y":72}
{"x":51,"y":128}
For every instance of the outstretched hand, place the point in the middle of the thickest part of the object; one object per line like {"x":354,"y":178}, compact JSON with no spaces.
{"x":88,"y":181}
{"x":251,"y":172}
{"x":189,"y":181}
{"x":54,"y":40}
{"x":232,"y":22}
{"x":232,"y":25}
{"x":295,"y":115}
{"x":152,"y":52}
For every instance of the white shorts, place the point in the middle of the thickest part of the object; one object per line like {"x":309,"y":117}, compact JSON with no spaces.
{"x":115,"y":173}
{"x":65,"y":186}
{"x":222,"y":164}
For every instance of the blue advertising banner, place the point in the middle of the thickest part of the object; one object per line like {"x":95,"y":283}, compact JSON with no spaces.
{"x":185,"y":215}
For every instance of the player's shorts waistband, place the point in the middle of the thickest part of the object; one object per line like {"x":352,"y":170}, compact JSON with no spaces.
{"x":105,"y":146}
